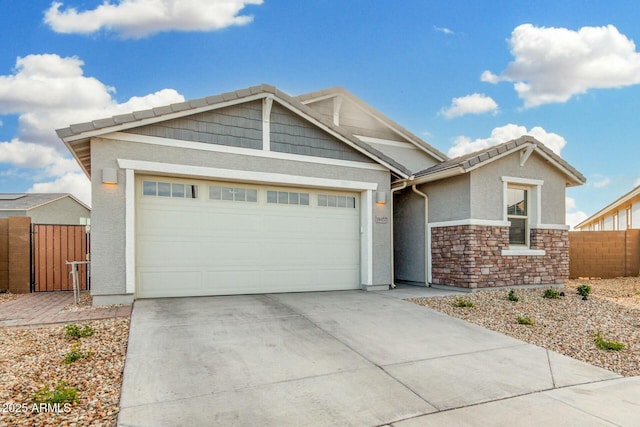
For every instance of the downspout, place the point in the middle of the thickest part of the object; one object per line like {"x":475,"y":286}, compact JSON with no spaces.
{"x":393,"y":190}
{"x":427,"y":249}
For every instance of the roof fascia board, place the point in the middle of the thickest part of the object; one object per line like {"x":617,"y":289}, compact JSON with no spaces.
{"x":165,"y":117}
{"x":400,"y":144}
{"x":567,"y":172}
{"x":445,"y":173}
{"x":338,"y":135}
{"x":619,"y":201}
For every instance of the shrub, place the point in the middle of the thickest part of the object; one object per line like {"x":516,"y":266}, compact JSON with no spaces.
{"x":75,"y":354}
{"x":74,"y":331}
{"x":62,"y":393}
{"x":551,"y":293}
{"x":524,"y":320}
{"x":512,"y":296}
{"x":584,"y":290}
{"x":603,"y":344}
{"x":461,"y":302}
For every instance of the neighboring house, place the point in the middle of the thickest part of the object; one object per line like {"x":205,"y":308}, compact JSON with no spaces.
{"x":623,"y":214}
{"x":45,"y":208}
{"x":256,"y":191}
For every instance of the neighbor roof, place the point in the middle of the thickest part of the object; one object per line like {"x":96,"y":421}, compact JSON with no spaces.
{"x":28,"y":201}
{"x":77,"y":136}
{"x":621,"y":200}
{"x":468,"y":162}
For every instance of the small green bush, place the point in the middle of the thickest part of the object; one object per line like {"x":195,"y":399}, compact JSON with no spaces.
{"x":551,"y":293}
{"x":512,"y":296}
{"x":524,"y":320}
{"x":584,"y":290}
{"x":603,"y":344}
{"x":62,"y":393}
{"x":75,"y":354}
{"x":461,"y":302}
{"x":74,"y":331}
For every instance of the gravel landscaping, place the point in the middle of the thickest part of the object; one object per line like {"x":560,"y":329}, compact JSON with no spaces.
{"x":33,"y":358}
{"x":567,"y":325}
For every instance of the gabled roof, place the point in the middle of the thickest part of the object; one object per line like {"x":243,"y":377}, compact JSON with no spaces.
{"x":617,"y":203}
{"x":386,"y":121}
{"x":28,"y":201}
{"x":77,"y":137}
{"x":468,"y":162}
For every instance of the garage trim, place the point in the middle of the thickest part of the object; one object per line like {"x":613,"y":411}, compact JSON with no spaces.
{"x":132,"y":167}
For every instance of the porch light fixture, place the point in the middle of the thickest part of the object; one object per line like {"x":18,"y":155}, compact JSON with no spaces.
{"x":381,"y":198}
{"x":109,"y":176}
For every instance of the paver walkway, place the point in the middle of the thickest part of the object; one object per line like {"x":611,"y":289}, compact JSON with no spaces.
{"x":41,"y":308}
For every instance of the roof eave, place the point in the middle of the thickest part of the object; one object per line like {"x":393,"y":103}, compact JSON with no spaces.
{"x":619,"y":201}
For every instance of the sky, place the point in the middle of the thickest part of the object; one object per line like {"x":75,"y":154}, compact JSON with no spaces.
{"x":462,"y":75}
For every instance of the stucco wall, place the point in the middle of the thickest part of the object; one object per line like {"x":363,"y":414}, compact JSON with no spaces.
{"x":108,"y":215}
{"x":409,"y":237}
{"x":449,"y":199}
{"x":64,"y":211}
{"x":486,"y":187}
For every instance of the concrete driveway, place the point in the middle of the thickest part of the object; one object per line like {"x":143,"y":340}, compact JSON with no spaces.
{"x":349,"y":358}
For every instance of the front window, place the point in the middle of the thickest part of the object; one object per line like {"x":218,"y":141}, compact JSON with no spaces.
{"x":518,"y":215}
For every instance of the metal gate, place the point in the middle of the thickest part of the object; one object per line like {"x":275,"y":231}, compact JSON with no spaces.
{"x":51,"y":247}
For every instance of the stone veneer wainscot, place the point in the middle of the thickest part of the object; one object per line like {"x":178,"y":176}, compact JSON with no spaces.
{"x":470,"y":256}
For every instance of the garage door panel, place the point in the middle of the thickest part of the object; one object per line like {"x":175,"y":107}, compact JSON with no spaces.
{"x":222,"y":247}
{"x":160,"y":219}
{"x":164,"y":283}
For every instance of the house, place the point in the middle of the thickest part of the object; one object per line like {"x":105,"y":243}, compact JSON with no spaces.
{"x":256,"y":191}
{"x":622,"y":214}
{"x":45,"y":208}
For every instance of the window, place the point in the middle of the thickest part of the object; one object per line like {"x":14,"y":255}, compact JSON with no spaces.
{"x":518,"y":215}
{"x":333,"y":201}
{"x":233,"y":194}
{"x":169,"y":189}
{"x":288,"y":198}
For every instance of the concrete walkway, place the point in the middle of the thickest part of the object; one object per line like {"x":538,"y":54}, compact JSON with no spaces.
{"x":350,"y":358}
{"x":43,"y":308}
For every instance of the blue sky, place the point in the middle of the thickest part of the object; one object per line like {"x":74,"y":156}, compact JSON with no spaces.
{"x":462,"y":75}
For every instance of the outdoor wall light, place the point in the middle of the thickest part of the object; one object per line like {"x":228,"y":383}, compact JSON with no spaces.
{"x":381,"y":197}
{"x":109,"y":176}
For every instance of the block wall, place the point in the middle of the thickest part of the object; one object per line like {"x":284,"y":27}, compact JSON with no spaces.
{"x":470,"y":256}
{"x":604,"y":254}
{"x":15,"y":254}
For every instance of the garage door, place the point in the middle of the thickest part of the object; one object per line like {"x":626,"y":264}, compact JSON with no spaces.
{"x":219,"y":238}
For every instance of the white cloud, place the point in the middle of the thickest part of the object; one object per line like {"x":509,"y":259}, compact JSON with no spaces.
{"x":476,"y":103}
{"x":573,"y":217}
{"x":75,"y":183}
{"x":551,"y":65}
{"x":464,"y":145}
{"x":140,"y":18}
{"x":601,"y":181}
{"x":71,"y":98}
{"x":444,"y":30}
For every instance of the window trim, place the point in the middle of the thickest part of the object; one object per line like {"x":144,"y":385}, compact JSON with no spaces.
{"x":534,"y":206}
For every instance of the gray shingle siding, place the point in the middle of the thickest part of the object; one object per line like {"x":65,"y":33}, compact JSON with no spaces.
{"x":236,"y":126}
{"x":292,"y":134}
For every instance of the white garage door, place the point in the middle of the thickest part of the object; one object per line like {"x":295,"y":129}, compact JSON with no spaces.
{"x":219,"y":238}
